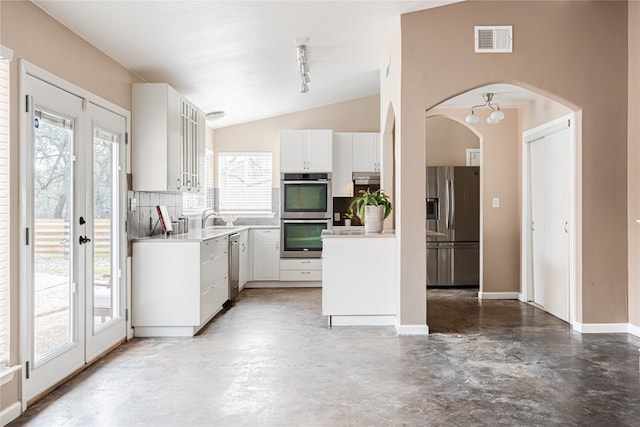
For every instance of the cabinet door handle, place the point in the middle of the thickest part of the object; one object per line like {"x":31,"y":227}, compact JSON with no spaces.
{"x":178,"y":183}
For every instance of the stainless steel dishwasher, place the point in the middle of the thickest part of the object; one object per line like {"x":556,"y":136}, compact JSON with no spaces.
{"x":234,"y":265}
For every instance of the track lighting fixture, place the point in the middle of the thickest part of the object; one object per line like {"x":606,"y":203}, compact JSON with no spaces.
{"x":496,"y":115}
{"x":303,"y":68}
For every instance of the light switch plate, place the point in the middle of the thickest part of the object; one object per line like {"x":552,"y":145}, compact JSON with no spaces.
{"x":496,"y":202}
{"x":336,"y":216}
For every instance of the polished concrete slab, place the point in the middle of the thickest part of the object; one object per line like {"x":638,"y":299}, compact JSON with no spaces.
{"x":271,"y":360}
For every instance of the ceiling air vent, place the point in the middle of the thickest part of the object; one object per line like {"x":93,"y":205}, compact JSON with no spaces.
{"x":494,"y":39}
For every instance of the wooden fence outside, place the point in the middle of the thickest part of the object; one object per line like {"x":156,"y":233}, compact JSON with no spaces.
{"x":51,"y":236}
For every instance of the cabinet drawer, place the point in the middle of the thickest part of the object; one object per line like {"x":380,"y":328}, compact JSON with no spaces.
{"x":300,"y":275}
{"x":267,"y":233}
{"x":220,"y":263}
{"x":213,"y":246}
{"x":208,"y":304}
{"x":221,"y":289}
{"x":301,"y":264}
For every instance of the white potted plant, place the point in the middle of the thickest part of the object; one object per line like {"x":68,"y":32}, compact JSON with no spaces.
{"x":372,"y":207}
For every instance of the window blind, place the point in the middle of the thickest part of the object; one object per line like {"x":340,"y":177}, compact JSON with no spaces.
{"x":4,"y":211}
{"x":244,"y":180}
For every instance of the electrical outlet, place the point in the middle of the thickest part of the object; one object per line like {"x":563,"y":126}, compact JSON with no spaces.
{"x":496,"y":202}
{"x":336,"y":216}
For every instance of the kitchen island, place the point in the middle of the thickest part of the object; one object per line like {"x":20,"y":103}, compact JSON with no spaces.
{"x":359,"y":285}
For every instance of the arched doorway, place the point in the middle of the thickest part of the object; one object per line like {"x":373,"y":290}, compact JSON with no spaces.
{"x":503,"y":240}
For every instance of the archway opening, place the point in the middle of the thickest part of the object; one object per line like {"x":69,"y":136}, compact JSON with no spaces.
{"x":502,"y":225}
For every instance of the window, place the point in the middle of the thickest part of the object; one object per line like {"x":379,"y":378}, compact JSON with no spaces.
{"x":245,"y":182}
{"x":4,"y":211}
{"x":203,"y":199}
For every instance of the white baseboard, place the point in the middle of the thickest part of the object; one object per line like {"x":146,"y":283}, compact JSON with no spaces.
{"x":411,"y":329}
{"x":498,"y":295}
{"x":277,"y":284}
{"x":10,"y":413}
{"x":382,"y":320}
{"x":601,"y":328}
{"x":634,"y":330}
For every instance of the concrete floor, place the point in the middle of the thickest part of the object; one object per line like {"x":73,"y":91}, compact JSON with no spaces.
{"x":272,"y":361}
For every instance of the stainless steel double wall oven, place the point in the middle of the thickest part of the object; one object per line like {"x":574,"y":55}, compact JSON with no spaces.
{"x":306,"y":205}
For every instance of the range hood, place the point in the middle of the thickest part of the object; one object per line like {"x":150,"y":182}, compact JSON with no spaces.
{"x":366,"y":178}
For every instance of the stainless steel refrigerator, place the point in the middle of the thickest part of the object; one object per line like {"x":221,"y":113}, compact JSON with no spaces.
{"x":453,"y":226}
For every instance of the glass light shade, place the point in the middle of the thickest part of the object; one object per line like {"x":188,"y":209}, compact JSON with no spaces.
{"x":472,"y":118}
{"x":492,"y":121}
{"x":304,"y":88}
{"x":497,"y":115}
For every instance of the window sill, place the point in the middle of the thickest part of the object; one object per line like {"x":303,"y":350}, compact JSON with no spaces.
{"x":7,"y":374}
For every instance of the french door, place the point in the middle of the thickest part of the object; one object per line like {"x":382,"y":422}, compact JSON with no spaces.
{"x":71,"y":209}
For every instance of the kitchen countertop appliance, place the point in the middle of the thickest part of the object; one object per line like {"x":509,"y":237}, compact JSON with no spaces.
{"x":453,"y":226}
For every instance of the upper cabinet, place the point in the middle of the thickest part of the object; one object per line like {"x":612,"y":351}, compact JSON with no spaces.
{"x":341,"y":178}
{"x":306,"y":150}
{"x":366,"y":152}
{"x":168,"y":140}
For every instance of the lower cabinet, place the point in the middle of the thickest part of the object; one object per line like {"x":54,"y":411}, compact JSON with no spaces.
{"x":266,"y":253}
{"x":301,"y":270}
{"x":177,"y":286}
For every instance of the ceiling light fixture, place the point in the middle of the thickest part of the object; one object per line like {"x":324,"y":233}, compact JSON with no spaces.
{"x":303,"y":68}
{"x":496,"y":115}
{"x":215,"y":115}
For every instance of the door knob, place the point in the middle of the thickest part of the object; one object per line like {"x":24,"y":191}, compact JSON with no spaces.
{"x":83,"y":240}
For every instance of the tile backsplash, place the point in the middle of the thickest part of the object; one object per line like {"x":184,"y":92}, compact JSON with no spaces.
{"x":144,"y":218}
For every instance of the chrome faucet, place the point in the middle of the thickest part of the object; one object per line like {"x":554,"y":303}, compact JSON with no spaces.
{"x":206,"y":214}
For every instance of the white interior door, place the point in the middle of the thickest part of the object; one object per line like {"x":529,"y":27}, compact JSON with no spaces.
{"x":549,"y":207}
{"x":72,"y":200}
{"x":538,"y":185}
{"x":556,"y":300}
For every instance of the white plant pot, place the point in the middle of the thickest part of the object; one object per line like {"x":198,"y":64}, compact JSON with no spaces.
{"x":347,"y":222}
{"x":373,"y":219}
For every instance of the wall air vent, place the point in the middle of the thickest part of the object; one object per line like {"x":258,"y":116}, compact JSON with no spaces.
{"x":494,"y":39}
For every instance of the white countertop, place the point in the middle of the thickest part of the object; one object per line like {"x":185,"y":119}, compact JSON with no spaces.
{"x":198,"y":235}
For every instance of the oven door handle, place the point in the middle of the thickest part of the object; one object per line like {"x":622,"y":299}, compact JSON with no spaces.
{"x":310,"y":181}
{"x":307,"y":221}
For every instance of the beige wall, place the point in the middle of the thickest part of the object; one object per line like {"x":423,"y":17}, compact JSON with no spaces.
{"x":359,"y":115}
{"x":39,"y":39}
{"x":634,"y":163}
{"x":448,"y":141}
{"x":567,"y":61}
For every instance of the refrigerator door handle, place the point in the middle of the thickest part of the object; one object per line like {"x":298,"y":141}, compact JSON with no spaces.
{"x":452,"y":198}
{"x":448,"y":204}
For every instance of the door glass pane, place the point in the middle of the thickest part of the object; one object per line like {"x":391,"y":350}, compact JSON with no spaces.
{"x":105,"y":178}
{"x":53,"y":206}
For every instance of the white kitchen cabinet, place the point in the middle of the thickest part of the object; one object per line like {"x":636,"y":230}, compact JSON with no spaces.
{"x":306,"y":150}
{"x":341,"y":178}
{"x":366,"y":152}
{"x":266,"y":253}
{"x":244,"y":259}
{"x":168,"y":139}
{"x":300,"y":270}
{"x":178,"y":286}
